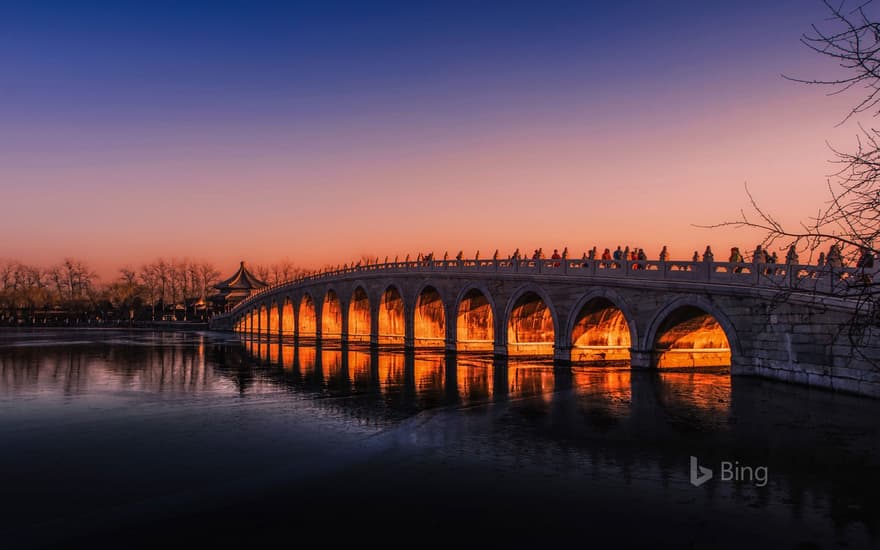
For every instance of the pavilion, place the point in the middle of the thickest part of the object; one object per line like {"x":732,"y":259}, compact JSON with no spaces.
{"x":236,"y":288}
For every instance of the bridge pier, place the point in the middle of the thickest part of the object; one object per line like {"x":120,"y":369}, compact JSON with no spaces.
{"x":640,"y":359}
{"x":562,"y":354}
{"x":499,"y":350}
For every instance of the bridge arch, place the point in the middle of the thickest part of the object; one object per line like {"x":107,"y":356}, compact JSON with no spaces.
{"x":530,"y":322}
{"x":288,"y":320}
{"x":429,"y":317}
{"x":264,"y":320}
{"x":331,"y":315}
{"x":475,"y":319}
{"x":359,"y":315}
{"x":601,"y":327}
{"x":307,"y":325}
{"x":391,"y":314}
{"x":691,"y":331}
{"x":274,"y":318}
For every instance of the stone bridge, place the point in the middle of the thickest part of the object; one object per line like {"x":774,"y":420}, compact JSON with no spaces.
{"x":786,"y":322}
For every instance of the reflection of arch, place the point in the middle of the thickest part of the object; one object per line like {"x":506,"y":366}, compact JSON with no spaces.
{"x":429,"y":322}
{"x":331,"y":316}
{"x":274,"y":319}
{"x":287,"y":320}
{"x":600,"y":328}
{"x":691,"y":331}
{"x":308,"y":320}
{"x":359,"y":316}
{"x":531,"y":322}
{"x":392,"y":327}
{"x":475,"y":319}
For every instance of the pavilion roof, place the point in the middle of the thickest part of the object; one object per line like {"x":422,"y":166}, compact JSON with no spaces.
{"x":243,"y":279}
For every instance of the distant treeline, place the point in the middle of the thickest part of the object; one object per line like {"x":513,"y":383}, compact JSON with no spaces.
{"x":70,"y":292}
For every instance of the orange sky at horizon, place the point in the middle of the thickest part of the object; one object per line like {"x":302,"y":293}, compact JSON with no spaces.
{"x":466,"y":137}
{"x":527,"y":186}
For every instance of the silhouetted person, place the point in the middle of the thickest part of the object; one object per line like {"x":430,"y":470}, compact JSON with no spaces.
{"x":708,"y":256}
{"x":866,"y":259}
{"x":834,"y":257}
{"x":664,"y":254}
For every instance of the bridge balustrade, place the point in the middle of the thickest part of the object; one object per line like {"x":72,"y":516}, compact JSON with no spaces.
{"x":842,"y":281}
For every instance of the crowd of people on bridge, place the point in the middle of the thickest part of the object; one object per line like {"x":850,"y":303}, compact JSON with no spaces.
{"x":834,"y":258}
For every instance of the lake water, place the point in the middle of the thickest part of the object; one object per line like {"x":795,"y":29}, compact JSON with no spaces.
{"x":133,"y":439}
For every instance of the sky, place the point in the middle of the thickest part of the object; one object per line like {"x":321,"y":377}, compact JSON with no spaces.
{"x":323,"y":131}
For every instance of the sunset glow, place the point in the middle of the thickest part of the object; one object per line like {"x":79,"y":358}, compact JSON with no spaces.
{"x":227,"y":134}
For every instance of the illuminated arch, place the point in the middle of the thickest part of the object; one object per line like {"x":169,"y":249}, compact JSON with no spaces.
{"x":264,"y":320}
{"x":475,"y":320}
{"x":359,"y":316}
{"x":600,"y":328}
{"x":274,"y":319}
{"x":392,"y":316}
{"x":691,"y":332}
{"x":331,"y":316}
{"x":287,"y":319}
{"x":531,"y":323}
{"x":429,"y":322}
{"x":308,"y":318}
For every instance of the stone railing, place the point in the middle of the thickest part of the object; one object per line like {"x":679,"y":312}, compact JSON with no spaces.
{"x":837,"y":281}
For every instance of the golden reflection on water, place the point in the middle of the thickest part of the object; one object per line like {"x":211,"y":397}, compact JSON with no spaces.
{"x":288,"y":352}
{"x":696,"y":391}
{"x":475,"y":379}
{"x":306,"y":356}
{"x":331,"y":363}
{"x":429,"y":374}
{"x":391,"y":369}
{"x":474,"y":382}
{"x":359,"y":369}
{"x":530,"y":379}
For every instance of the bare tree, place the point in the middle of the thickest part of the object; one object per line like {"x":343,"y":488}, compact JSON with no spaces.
{"x":263,"y":272}
{"x":151,"y":287}
{"x":849,"y":222}
{"x":851,"y":217}
{"x":73,"y":281}
{"x":207,"y":276}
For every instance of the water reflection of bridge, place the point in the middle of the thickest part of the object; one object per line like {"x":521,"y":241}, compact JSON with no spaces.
{"x":422,"y":379}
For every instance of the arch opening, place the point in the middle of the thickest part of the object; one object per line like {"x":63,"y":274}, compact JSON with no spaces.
{"x":264,"y":320}
{"x":430,"y":319}
{"x":308,"y":320}
{"x":359,"y":316}
{"x":274,"y":319}
{"x":691,"y":337}
{"x":331,"y":317}
{"x":530,"y":329}
{"x":391,"y":317}
{"x":600,"y":333}
{"x":287,"y":318}
{"x":475,"y":323}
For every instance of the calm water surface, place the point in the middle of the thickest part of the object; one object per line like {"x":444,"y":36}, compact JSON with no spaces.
{"x":116,"y":438}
